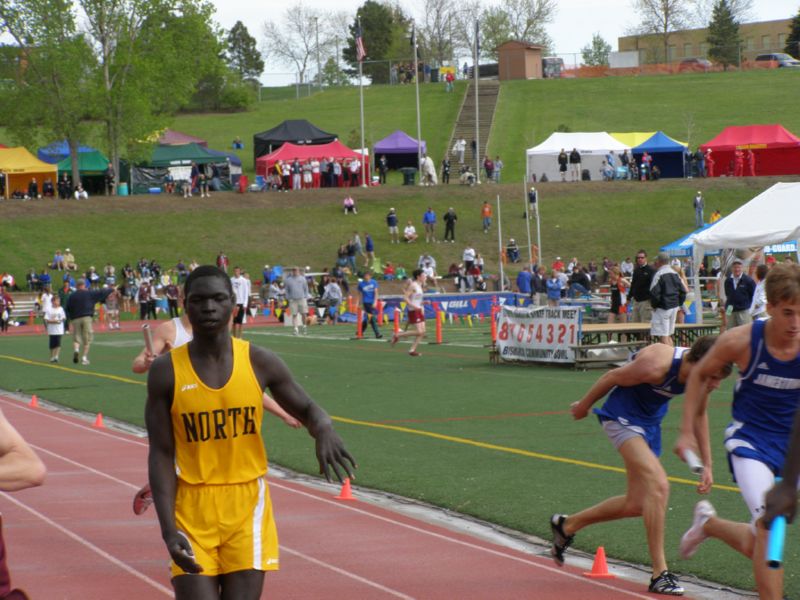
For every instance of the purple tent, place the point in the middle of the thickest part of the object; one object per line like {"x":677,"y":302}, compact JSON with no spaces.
{"x":400,"y":150}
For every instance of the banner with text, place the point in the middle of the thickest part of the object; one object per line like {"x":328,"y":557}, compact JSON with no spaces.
{"x":539,"y":334}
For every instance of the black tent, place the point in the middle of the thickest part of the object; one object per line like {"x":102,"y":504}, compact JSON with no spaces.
{"x":296,"y":131}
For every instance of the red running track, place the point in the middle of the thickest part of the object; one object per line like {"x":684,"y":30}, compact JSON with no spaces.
{"x":77,"y":538}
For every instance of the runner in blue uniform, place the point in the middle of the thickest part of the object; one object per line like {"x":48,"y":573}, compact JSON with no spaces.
{"x":765,"y":400}
{"x":638,"y":400}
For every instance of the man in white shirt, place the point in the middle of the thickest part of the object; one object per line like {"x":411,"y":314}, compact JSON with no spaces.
{"x":410,"y":233}
{"x":758,"y":309}
{"x":241,"y":289}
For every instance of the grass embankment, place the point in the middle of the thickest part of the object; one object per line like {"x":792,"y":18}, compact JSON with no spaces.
{"x":588,"y":220}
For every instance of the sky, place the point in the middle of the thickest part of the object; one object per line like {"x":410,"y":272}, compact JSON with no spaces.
{"x":574,"y":25}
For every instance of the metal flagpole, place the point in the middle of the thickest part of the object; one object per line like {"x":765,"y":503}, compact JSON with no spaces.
{"x":416,"y":88}
{"x":500,"y":243}
{"x":538,"y":228}
{"x":477,"y":110}
{"x":361,"y":99}
{"x":527,"y":215}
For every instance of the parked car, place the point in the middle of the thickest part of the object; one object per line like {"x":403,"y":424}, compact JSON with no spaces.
{"x":695,"y":64}
{"x":784,"y":60}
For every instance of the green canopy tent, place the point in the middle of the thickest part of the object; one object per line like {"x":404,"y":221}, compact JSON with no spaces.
{"x":176,"y":160}
{"x":89,"y":163}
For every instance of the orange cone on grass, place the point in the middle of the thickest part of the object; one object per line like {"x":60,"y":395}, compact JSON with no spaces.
{"x":346,"y":493}
{"x":599,"y":567}
{"x":98,"y":421}
{"x":34,"y":401}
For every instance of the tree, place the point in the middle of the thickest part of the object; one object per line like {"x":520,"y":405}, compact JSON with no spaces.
{"x":662,"y":18}
{"x":793,"y":41}
{"x":596,"y":53}
{"x":384,"y":33}
{"x":742,"y":11}
{"x":723,"y":35}
{"x":294,"y":41}
{"x":435,"y":31}
{"x":54,"y":96}
{"x":333,"y":75}
{"x":527,"y":19}
{"x":242,"y":53}
{"x":141,"y":90}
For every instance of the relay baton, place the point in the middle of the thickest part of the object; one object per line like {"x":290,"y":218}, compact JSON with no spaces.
{"x":694,"y":462}
{"x":148,"y":337}
{"x":777,"y":536}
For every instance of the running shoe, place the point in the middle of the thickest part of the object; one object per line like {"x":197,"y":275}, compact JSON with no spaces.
{"x":379,"y":337}
{"x":414,"y":353}
{"x":695,"y":535}
{"x":142,"y":500}
{"x":75,"y":357}
{"x":394,"y":339}
{"x":667,"y":583}
{"x":561,"y":541}
{"x":85,"y":361}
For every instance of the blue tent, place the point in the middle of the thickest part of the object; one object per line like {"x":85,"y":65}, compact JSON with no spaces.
{"x":234,"y":158}
{"x":58,"y":151}
{"x":682,"y":247}
{"x":666,"y":152}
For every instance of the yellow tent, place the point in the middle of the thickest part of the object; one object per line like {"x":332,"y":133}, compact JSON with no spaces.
{"x":20,"y":166}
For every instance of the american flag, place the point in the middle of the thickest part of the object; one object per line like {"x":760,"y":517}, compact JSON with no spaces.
{"x":360,"y":51}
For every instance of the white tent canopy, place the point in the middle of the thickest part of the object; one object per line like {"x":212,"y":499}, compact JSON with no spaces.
{"x":593,"y":147}
{"x":772,"y":217}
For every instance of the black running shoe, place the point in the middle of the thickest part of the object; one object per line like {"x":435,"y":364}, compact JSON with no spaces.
{"x":75,"y":357}
{"x":561,"y":541}
{"x":667,"y":583}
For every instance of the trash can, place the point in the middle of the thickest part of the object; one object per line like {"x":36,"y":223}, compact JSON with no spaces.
{"x":435,"y":75}
{"x":122,"y":190}
{"x":409,"y":174}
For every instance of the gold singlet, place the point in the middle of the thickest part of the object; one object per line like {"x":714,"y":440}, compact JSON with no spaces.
{"x":217,"y":431}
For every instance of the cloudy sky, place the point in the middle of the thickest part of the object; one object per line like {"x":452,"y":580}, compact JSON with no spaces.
{"x":572,"y":29}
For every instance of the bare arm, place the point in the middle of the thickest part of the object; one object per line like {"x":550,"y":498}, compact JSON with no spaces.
{"x":163,"y":336}
{"x":649,"y":366}
{"x":20,"y":467}
{"x":161,"y":460}
{"x":273,"y":373}
{"x":273,"y":407}
{"x":731,"y":347}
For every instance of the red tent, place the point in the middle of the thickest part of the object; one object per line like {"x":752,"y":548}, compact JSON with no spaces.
{"x":288,"y":152}
{"x":776,"y":150}
{"x":176,"y":138}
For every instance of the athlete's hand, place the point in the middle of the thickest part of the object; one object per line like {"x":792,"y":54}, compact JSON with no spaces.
{"x":780,"y":500}
{"x":332,"y":455}
{"x":578,"y":410}
{"x":180,"y":550}
{"x":685,"y":441}
{"x":706,"y":481}
{"x":292,"y":422}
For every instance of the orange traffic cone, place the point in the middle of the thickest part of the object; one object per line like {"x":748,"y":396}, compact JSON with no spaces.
{"x":599,"y":567}
{"x":346,"y":493}
{"x":34,"y":402}
{"x":98,"y":420}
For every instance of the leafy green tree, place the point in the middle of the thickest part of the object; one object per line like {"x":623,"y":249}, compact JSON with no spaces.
{"x":793,"y":41}
{"x":333,"y":75}
{"x":384,"y":33}
{"x":52,"y":96}
{"x":596,"y":53}
{"x":723,"y":35}
{"x":242,"y":53}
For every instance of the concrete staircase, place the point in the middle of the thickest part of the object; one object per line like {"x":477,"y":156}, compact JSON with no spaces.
{"x":488,"y":92}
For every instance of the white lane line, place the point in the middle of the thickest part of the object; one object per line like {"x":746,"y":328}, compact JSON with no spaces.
{"x":553,"y":570}
{"x":341,"y":571}
{"x":75,"y":421}
{"x":86,"y":467}
{"x":84,"y":542}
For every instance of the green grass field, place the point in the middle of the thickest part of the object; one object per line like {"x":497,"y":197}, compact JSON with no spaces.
{"x":495,"y":442}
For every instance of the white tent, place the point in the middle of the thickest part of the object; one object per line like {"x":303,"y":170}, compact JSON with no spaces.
{"x":593,"y":147}
{"x":772,"y":217}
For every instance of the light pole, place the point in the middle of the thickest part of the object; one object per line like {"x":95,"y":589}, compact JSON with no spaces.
{"x":319,"y":66}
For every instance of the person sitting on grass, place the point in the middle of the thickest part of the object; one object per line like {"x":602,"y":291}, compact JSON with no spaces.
{"x":410,"y":232}
{"x":350,"y":205}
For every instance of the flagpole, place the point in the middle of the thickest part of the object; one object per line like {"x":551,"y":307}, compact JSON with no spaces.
{"x":527,"y":218}
{"x":361,"y":101}
{"x":416,"y":86}
{"x":477,"y":109}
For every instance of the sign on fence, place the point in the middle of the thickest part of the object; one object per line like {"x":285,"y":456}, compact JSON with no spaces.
{"x":539,"y":334}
